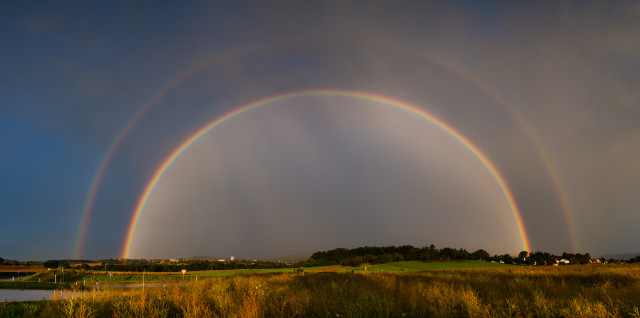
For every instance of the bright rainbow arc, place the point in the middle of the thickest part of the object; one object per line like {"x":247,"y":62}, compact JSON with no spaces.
{"x":361,"y":95}
{"x":533,"y":139}
{"x":128,"y":127}
{"x":451,"y":67}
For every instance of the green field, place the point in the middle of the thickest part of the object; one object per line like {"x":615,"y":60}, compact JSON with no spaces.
{"x":260,"y":271}
{"x":73,"y":278}
{"x":417,"y":266}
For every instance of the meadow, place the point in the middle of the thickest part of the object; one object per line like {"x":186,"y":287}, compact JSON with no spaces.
{"x":511,"y":291}
{"x":88,"y":278}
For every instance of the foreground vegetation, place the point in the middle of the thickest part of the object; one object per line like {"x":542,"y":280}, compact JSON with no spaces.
{"x":515,"y":291}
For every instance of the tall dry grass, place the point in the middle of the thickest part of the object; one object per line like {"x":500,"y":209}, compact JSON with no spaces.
{"x":581,"y":291}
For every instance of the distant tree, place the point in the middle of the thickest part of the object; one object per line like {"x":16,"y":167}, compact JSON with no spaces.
{"x":429,"y":253}
{"x":582,"y":259}
{"x":408,"y":252}
{"x":540,"y":258}
{"x":385,"y":258}
{"x":352,"y":261}
{"x":480,"y":255}
{"x":523,"y":255}
{"x":506,"y":258}
{"x":463,"y":254}
{"x":448,"y":253}
{"x":370,"y":259}
{"x":301,"y":264}
{"x":51,"y":264}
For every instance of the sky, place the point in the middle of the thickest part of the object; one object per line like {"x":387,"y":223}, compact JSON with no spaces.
{"x":96,"y":96}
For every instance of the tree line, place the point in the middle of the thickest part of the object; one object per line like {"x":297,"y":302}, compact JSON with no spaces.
{"x":387,"y":254}
{"x":380,"y":255}
{"x":340,"y":256}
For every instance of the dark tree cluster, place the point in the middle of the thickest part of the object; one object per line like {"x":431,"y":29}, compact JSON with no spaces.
{"x":12,"y":262}
{"x":387,"y":254}
{"x":577,"y":258}
{"x":635,"y":259}
{"x":541,"y":258}
{"x":380,"y":255}
{"x":56,"y":264}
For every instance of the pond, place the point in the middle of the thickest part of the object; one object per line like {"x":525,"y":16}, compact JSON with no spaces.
{"x":4,"y":276}
{"x":24,"y":294}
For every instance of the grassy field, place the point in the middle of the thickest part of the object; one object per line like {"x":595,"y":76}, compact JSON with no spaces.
{"x":416,"y":266}
{"x":565,"y":291}
{"x":11,"y":268}
{"x":92,"y":278}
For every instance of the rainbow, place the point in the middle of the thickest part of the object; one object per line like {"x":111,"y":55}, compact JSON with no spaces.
{"x":361,"y":95}
{"x":126,"y":130}
{"x":558,"y":186}
{"x":441,"y":62}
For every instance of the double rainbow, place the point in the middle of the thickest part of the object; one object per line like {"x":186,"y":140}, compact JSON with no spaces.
{"x":499,"y":179}
{"x":436,"y":60}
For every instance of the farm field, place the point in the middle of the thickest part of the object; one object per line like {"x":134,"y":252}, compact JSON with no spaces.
{"x":92,"y":278}
{"x":514,"y":291}
{"x":415,"y":266}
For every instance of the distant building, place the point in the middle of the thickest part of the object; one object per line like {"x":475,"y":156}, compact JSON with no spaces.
{"x":233,"y":258}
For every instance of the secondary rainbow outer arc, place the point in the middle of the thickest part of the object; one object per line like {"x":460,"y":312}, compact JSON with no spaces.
{"x":362,"y":95}
{"x":128,"y":127}
{"x":442,"y":62}
{"x":533,"y":139}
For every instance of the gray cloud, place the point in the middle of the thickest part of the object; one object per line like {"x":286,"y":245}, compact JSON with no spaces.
{"x":569,"y":70}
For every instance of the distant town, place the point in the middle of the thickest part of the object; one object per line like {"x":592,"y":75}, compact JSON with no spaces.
{"x":341,"y":256}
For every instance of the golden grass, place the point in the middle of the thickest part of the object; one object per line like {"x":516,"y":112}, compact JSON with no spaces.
{"x":572,"y":291}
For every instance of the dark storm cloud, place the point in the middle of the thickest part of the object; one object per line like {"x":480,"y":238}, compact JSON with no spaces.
{"x":76,"y":72}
